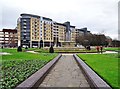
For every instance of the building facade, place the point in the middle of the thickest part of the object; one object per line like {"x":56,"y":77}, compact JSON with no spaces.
{"x":8,"y":38}
{"x":38,"y":31}
{"x":28,"y":30}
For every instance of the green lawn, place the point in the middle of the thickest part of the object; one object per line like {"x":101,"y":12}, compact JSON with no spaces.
{"x":112,"y":49}
{"x":106,"y":65}
{"x":25,"y":55}
{"x":20,"y":65}
{"x":42,"y":50}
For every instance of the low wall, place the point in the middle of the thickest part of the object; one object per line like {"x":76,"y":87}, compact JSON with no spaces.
{"x":94,"y":80}
{"x":35,"y":80}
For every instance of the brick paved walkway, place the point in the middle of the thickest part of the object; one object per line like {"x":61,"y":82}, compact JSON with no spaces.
{"x":66,"y":73}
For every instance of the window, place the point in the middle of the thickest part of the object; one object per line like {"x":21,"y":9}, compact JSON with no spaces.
{"x":24,"y":27}
{"x":24,"y":23}
{"x":24,"y":33}
{"x":24,"y":36}
{"x":24,"y":20}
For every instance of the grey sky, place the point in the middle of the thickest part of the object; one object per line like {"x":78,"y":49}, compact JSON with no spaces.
{"x":99,"y":16}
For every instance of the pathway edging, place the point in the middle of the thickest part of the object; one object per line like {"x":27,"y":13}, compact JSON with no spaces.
{"x":34,"y":80}
{"x":94,"y":80}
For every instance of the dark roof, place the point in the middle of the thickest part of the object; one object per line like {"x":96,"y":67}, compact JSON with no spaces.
{"x":108,"y":37}
{"x":24,"y":14}
{"x":60,"y":24}
{"x":47,"y":19}
{"x":72,"y":26}
{"x":37,"y":16}
{"x":88,"y":31}
{"x":83,"y":29}
{"x":10,"y":30}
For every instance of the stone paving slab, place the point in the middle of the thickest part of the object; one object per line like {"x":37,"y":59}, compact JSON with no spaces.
{"x":66,"y":73}
{"x":106,"y":52}
{"x":32,"y":52}
{"x":110,"y":52}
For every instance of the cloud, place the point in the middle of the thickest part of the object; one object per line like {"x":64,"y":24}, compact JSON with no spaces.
{"x":9,"y":17}
{"x":97,"y":15}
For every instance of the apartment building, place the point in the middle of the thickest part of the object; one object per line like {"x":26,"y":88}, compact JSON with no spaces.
{"x":46,"y":31}
{"x":28,"y":30}
{"x":8,"y":38}
{"x":39,"y":31}
{"x":59,"y":31}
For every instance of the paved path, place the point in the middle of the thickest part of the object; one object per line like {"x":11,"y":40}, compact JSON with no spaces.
{"x":106,"y":52}
{"x":4,"y":53}
{"x":32,"y":52}
{"x":110,"y":52}
{"x":65,"y":73}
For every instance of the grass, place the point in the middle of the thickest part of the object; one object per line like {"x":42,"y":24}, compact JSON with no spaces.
{"x":112,"y":49}
{"x":20,"y":65}
{"x":42,"y":50}
{"x":25,"y":55}
{"x":106,"y":65}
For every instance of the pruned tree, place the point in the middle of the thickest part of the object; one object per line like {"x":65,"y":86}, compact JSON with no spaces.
{"x":19,"y":49}
{"x":51,"y":50}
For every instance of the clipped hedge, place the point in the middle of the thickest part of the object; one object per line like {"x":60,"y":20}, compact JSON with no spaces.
{"x":51,"y":50}
{"x":19,"y":49}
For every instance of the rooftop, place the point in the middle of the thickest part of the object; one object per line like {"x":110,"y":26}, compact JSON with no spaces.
{"x":31,"y":15}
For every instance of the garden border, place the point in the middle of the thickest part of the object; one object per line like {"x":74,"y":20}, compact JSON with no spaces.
{"x":36,"y":79}
{"x":93,"y":79}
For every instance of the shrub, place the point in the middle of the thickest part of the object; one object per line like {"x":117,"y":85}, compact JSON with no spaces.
{"x":19,"y":49}
{"x":88,"y":48}
{"x":26,"y":47}
{"x":2,"y":47}
{"x":51,"y":50}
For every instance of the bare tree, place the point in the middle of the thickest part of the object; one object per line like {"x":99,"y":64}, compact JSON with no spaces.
{"x":92,"y":39}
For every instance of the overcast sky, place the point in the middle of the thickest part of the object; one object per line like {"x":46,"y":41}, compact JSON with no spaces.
{"x":99,"y":16}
